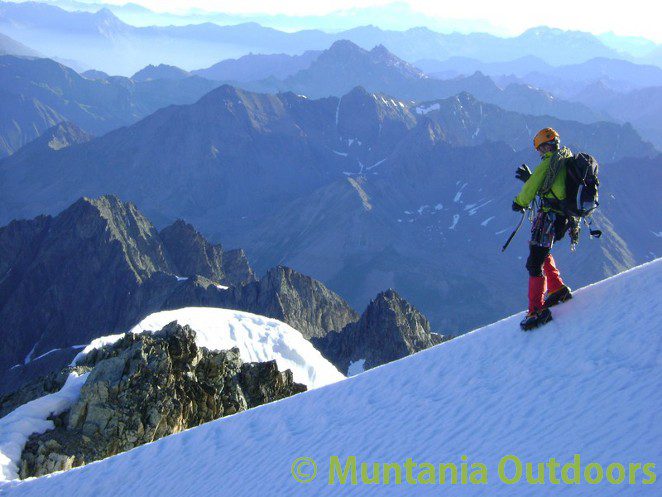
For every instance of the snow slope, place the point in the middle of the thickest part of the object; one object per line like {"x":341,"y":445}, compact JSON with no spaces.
{"x":258,"y":338}
{"x":588,"y":383}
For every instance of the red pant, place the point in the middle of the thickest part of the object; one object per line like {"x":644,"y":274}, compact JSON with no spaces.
{"x":550,"y":281}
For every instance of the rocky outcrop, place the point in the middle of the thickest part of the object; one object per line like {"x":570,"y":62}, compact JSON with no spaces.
{"x":191,"y":254}
{"x":145,"y":387}
{"x":302,"y":302}
{"x":236,"y":268}
{"x":389,"y":329}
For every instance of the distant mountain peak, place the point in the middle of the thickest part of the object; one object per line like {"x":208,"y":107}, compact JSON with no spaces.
{"x":388,"y":295}
{"x":162,"y":71}
{"x":343,"y":46}
{"x":58,"y":137}
{"x":540,"y":30}
{"x":104,"y":203}
{"x":105,"y":12}
{"x":223,"y":93}
{"x":94,"y":74}
{"x":358,"y":91}
{"x":352,"y":59}
{"x":65,"y":134}
{"x":106,"y":16}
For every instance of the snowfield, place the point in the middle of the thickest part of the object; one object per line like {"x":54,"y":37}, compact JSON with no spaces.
{"x":587,"y":383}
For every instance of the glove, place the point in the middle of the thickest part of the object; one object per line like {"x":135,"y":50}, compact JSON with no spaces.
{"x":518,"y":208}
{"x":523,"y":173}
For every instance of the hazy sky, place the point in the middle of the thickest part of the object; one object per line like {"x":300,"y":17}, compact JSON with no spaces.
{"x":625,"y":17}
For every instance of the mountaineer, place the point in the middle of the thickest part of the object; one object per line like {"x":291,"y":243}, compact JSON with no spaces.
{"x":547,"y":184}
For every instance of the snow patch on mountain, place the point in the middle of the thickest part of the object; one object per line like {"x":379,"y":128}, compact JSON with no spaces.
{"x":28,"y":358}
{"x":458,"y":195}
{"x":421,"y":111}
{"x":473,"y":208}
{"x":376,"y":164}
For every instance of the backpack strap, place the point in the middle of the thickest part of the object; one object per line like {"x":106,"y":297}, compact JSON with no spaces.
{"x":556,"y":161}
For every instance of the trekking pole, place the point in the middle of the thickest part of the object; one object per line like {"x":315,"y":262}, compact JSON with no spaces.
{"x":512,"y":235}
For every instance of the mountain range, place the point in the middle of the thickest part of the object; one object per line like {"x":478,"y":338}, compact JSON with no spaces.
{"x":38,"y":93}
{"x":346,"y":65}
{"x":363,"y":192}
{"x":83,"y":36}
{"x":598,"y":89}
{"x":641,"y":107}
{"x":237,"y":140}
{"x":396,"y":15}
{"x":594,"y":90}
{"x":618,"y":90}
{"x":562,"y":80}
{"x":256,"y":67}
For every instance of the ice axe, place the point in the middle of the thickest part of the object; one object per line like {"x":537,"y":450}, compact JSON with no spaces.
{"x":512,"y":235}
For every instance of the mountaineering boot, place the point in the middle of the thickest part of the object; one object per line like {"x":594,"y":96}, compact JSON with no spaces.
{"x":538,"y":314}
{"x":561,"y":295}
{"x":554,"y":281}
{"x":535,"y":319}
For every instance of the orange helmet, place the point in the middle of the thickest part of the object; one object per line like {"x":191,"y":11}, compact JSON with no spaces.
{"x":545,"y":135}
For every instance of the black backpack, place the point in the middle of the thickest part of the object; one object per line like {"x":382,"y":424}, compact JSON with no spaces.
{"x":581,"y":185}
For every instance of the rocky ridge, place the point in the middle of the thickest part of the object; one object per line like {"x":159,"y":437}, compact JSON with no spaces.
{"x":148,"y":386}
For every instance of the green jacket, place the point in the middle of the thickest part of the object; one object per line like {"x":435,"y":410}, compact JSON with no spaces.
{"x":534,"y":185}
